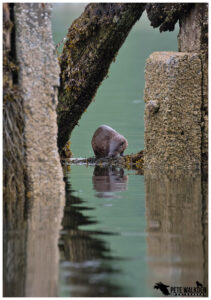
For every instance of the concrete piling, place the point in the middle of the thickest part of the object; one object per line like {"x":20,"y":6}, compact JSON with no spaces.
{"x":173,"y":100}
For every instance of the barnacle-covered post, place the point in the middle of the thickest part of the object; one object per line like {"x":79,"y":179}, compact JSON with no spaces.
{"x":92,"y":43}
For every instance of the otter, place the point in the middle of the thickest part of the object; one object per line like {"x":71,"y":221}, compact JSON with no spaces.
{"x":108,"y":142}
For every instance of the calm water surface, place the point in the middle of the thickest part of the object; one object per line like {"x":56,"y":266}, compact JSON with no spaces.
{"x":103,"y":241}
{"x":115,"y":239}
{"x":123,"y":232}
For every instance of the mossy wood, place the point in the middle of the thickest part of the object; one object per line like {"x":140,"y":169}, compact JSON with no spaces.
{"x":166,"y":15}
{"x":193,"y":37}
{"x":92,"y":44}
{"x":13,"y":125}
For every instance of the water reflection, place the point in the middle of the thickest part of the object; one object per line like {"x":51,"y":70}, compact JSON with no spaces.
{"x":107,"y":180}
{"x":86,"y":259}
{"x":30,"y":253}
{"x":14,"y":246}
{"x":122,"y":259}
{"x":176,"y":212}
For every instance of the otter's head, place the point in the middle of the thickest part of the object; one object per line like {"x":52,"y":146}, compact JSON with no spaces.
{"x":118,"y":146}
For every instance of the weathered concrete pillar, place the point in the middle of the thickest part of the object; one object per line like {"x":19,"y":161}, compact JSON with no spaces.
{"x":37,"y":79}
{"x":193,"y":37}
{"x":173,"y":110}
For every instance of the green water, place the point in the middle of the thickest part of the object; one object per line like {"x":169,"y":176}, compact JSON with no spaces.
{"x":117,"y":219}
{"x":117,"y":237}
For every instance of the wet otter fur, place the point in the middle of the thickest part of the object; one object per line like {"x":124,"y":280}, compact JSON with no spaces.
{"x":108,"y":142}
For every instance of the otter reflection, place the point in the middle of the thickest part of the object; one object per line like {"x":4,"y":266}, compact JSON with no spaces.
{"x":107,"y":180}
{"x":85,"y":260}
{"x":176,"y":212}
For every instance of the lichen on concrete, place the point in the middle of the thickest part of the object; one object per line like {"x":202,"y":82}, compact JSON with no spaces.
{"x":173,"y":133}
{"x":38,"y":81}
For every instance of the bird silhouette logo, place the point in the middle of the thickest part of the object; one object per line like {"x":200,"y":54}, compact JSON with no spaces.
{"x":199,"y":284}
{"x":162,"y":287}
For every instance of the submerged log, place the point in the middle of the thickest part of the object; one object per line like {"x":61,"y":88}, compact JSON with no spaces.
{"x":92,"y":44}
